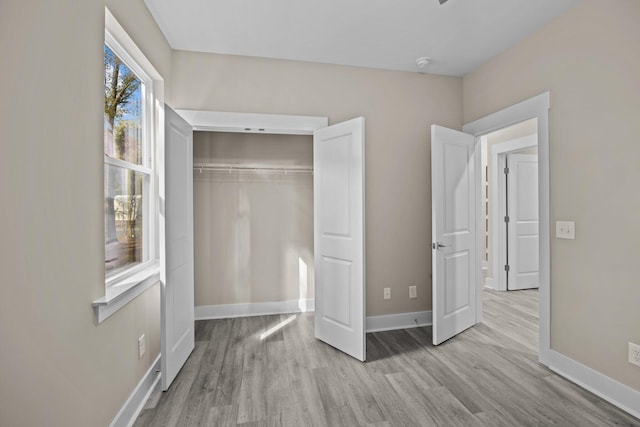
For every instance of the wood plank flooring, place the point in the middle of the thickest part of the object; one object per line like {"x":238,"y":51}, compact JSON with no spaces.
{"x":487,"y":376}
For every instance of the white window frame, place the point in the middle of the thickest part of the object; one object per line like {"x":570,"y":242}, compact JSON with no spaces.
{"x":124,"y":285}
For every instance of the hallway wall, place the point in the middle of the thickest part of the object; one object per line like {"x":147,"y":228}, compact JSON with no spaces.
{"x":588,"y":59}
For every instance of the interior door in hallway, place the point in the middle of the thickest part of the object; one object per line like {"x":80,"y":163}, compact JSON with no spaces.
{"x":522,"y":190}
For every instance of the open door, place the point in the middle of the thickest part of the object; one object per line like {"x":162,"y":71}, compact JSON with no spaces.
{"x":522,"y":189}
{"x":453,"y":230}
{"x":338,"y":193}
{"x":176,"y":274}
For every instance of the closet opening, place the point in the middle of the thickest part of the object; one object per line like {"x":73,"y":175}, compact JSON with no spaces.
{"x":253,"y":223}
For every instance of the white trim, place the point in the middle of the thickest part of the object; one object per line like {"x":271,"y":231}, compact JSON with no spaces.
{"x":121,"y":293}
{"x":127,"y":165}
{"x":131,"y":52}
{"x":529,"y":108}
{"x":497,"y":183}
{"x":121,"y":289}
{"x":252,"y":123}
{"x":373,"y":323}
{"x":478,"y":201}
{"x":392,"y":322}
{"x":489,"y":283}
{"x":614,"y":392}
{"x":133,"y":406}
{"x":536,"y":107}
{"x":225,"y":311}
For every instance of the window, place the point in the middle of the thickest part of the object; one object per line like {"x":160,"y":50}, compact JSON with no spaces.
{"x":133,"y":111}
{"x":127,"y":172}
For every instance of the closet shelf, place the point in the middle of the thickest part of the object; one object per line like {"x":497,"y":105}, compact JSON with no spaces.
{"x":231,"y":167}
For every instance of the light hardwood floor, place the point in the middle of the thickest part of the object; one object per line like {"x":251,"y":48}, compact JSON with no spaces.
{"x":487,"y":376}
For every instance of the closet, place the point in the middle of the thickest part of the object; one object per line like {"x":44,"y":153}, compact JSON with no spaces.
{"x":253,"y":218}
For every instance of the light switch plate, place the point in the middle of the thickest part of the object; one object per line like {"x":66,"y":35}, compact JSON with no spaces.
{"x":141,"y":346}
{"x":413,"y":292}
{"x":565,"y":230}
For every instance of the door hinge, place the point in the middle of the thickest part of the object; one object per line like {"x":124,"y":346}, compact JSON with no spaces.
{"x":507,"y":268}
{"x":506,"y":171}
{"x":506,"y":218}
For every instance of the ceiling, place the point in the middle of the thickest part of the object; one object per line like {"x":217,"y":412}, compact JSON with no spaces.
{"x":389,"y":34}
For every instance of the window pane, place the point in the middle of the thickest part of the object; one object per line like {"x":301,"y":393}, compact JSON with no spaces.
{"x":123,"y":217}
{"x":122,"y":110}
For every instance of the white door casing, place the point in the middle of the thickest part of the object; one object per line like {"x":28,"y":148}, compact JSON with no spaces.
{"x":176,"y":247}
{"x":453,"y":188}
{"x":536,"y":107}
{"x":339,"y":225}
{"x":522,"y":190}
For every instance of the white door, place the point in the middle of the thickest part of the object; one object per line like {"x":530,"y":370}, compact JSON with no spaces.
{"x":522,"y":207}
{"x":338,"y":197}
{"x":176,"y":251}
{"x":453,"y":230}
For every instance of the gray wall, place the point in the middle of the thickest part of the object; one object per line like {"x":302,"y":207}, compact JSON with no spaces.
{"x":253,"y":230}
{"x":588,"y":59}
{"x":58,"y":367}
{"x":399,"y":108}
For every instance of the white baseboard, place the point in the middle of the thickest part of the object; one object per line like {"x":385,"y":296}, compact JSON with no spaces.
{"x":374,"y":323}
{"x":614,"y":392}
{"x":224,"y":311}
{"x":136,"y":401}
{"x":489,"y":283}
{"x":391,"y":322}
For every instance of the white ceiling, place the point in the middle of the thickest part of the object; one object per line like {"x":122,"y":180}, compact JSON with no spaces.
{"x":389,"y":34}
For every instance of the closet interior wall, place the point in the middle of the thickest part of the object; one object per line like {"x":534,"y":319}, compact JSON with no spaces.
{"x":253,"y":228}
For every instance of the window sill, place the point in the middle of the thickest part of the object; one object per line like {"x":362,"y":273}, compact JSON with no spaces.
{"x":124,"y":290}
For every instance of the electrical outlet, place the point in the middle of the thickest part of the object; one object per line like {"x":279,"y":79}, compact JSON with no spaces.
{"x":413,"y":292}
{"x":634,"y":354}
{"x":387,"y":293}
{"x":565,"y":230}
{"x":141,"y":346}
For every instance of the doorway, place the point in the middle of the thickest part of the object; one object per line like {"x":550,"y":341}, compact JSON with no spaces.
{"x":510,"y":207}
{"x":253,"y":223}
{"x":510,"y":232}
{"x":537,"y":108}
{"x":338,"y":222}
{"x":457,"y":207}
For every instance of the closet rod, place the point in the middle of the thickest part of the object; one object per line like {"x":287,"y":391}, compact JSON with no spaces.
{"x":229,"y":167}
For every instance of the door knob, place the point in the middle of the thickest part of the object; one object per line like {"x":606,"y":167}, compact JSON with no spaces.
{"x":438,"y":245}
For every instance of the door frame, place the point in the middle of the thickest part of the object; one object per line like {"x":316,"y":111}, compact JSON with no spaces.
{"x":497,"y":236}
{"x":219,"y":121}
{"x":216,"y":121}
{"x":535,"y":107}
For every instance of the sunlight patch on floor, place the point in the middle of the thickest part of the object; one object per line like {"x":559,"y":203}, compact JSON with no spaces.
{"x":279,"y":326}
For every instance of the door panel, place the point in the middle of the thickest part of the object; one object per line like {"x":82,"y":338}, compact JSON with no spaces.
{"x":338,"y":159}
{"x":453,"y":230}
{"x":523,"y":237}
{"x":176,"y":249}
{"x":456,"y":296}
